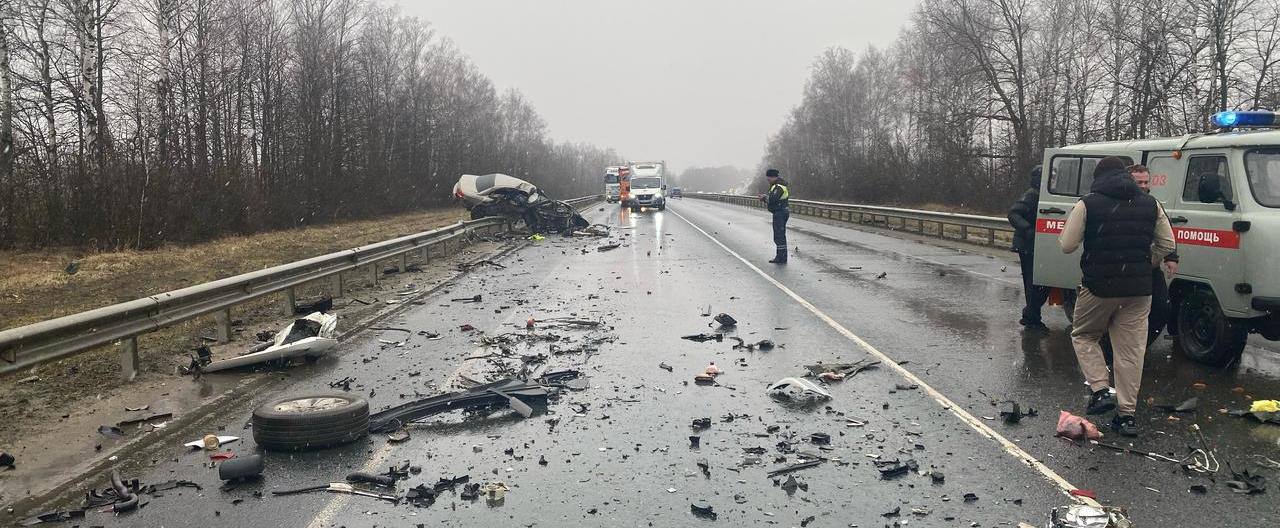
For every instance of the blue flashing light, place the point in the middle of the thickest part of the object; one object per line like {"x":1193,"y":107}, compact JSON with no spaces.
{"x":1244,"y":118}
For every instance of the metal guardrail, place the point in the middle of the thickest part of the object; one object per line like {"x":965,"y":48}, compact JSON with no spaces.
{"x":972,"y":229}
{"x":36,"y":343}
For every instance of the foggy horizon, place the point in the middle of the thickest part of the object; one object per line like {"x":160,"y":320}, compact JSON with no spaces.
{"x":716,"y":80}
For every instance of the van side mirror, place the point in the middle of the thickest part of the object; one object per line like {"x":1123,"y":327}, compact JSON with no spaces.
{"x":664,"y":187}
{"x":1210,"y":191}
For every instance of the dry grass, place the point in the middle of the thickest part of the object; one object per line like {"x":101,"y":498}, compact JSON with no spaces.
{"x":34,"y":285}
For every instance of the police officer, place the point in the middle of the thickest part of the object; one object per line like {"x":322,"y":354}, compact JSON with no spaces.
{"x":777,"y":202}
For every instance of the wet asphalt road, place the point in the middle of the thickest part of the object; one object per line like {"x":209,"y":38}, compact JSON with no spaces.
{"x":625,"y":460}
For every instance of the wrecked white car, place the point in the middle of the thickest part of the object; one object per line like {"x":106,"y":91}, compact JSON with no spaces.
{"x":312,"y":336}
{"x":798,"y":390}
{"x":506,"y":196}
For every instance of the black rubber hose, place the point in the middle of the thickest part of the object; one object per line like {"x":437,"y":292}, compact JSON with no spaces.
{"x":372,"y":479}
{"x":125,"y":499}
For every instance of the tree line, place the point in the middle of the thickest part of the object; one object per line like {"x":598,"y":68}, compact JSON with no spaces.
{"x":960,"y":108}
{"x":130,"y":123}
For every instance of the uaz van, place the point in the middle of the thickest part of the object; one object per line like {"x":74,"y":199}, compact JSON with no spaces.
{"x":1221,"y":191}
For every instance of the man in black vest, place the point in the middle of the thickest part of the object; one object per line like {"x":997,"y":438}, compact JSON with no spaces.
{"x":1022,"y":216}
{"x":1125,"y":233}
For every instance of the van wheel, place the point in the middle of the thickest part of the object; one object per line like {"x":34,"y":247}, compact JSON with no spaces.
{"x":1205,"y":334}
{"x":313,"y":421}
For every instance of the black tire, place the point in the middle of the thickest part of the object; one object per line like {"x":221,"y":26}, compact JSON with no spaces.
{"x":1205,"y":334}
{"x":310,"y":421}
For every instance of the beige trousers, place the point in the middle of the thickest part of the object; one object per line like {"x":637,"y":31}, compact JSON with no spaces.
{"x":1125,"y":319}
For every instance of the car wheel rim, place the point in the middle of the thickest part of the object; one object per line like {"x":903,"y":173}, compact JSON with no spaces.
{"x":307,"y":405}
{"x":1204,"y":330}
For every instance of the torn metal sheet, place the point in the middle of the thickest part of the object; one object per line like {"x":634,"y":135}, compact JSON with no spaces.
{"x":506,"y":391}
{"x":1082,"y":516}
{"x":312,"y":336}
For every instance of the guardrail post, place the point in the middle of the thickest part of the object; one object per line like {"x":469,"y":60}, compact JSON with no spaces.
{"x":964,"y":233}
{"x":288,"y":301}
{"x":373,"y":272}
{"x":222,"y":322}
{"x":129,"y":360}
{"x":991,"y":237}
{"x":402,"y":264}
{"x":337,"y":284}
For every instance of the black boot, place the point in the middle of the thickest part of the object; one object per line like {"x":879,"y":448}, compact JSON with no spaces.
{"x":780,"y":259}
{"x":1125,"y":425}
{"x":1101,"y":401}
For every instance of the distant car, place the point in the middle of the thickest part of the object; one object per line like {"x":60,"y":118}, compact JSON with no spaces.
{"x":677,"y":192}
{"x":502,"y":195}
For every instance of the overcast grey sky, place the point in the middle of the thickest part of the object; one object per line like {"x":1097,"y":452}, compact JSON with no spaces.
{"x":694,"y":82}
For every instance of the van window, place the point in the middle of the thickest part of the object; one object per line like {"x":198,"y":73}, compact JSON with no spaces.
{"x":611,"y":178}
{"x":1073,"y":175}
{"x":1263,"y":168}
{"x":1206,"y":165}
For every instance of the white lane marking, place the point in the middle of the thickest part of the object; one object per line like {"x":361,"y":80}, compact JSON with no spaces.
{"x":964,"y":416}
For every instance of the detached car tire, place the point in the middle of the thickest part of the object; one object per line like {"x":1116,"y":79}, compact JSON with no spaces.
{"x":1205,"y":334}
{"x":310,"y":421}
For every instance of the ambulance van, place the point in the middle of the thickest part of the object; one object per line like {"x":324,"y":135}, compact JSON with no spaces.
{"x":1221,"y":191}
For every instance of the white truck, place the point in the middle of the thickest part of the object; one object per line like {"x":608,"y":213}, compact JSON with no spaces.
{"x":613,"y":183}
{"x":1221,"y":191}
{"x":648,"y":185}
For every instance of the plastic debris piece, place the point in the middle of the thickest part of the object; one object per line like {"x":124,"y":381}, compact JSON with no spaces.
{"x":795,"y":467}
{"x":704,"y":379}
{"x":798,"y":389}
{"x":666,"y":367}
{"x":820,"y":438}
{"x":494,"y":491}
{"x":937,"y":477}
{"x":6,"y":460}
{"x":54,"y":517}
{"x":695,"y":441}
{"x":970,"y":497}
{"x":110,"y":431}
{"x":703,"y":509}
{"x":398,"y":436}
{"x":377,"y":480}
{"x":1265,"y":406}
{"x":892,"y":468}
{"x":219,"y":457}
{"x":1198,"y":489}
{"x":211,"y":440}
{"x":831,"y":376}
{"x":1186,"y":406}
{"x":244,"y":468}
{"x":701,"y":423}
{"x":725,"y":319}
{"x":712,"y":369}
{"x":702,"y":338}
{"x":1076,"y":428}
{"x":1246,"y":483}
{"x":1084,"y":493}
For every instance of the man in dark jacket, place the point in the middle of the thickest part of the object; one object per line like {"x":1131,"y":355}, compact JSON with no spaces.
{"x":1125,"y":233}
{"x":777,"y":201}
{"x":1022,"y":216}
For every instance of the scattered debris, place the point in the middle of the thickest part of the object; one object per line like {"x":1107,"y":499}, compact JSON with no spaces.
{"x":494,"y":491}
{"x":703,"y":509}
{"x":1198,"y":489}
{"x":893,"y":468}
{"x":473,"y":299}
{"x":725,"y":319}
{"x":310,"y":336}
{"x":1184,"y":407}
{"x":795,"y":467}
{"x":54,"y":517}
{"x":1082,"y":516}
{"x":712,"y":370}
{"x":7,"y":461}
{"x":839,"y":371}
{"x":144,"y":419}
{"x":666,"y":367}
{"x":695,"y":441}
{"x":1076,"y":428}
{"x":701,"y":423}
{"x":702,"y":338}
{"x":322,"y":305}
{"x":343,"y":487}
{"x":110,"y":431}
{"x":366,"y":478}
{"x":820,"y":438}
{"x":970,"y":497}
{"x":798,"y":389}
{"x":211,"y":442}
{"x":1012,"y":413}
{"x":608,"y":247}
{"x":396,"y":437}
{"x":519,"y":395}
{"x":29,"y":379}
{"x":1247,"y":483}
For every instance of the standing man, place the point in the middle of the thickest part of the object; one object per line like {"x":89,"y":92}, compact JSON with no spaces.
{"x":1022,"y":216}
{"x":777,"y":202}
{"x":1160,"y":275}
{"x":1125,"y":233}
